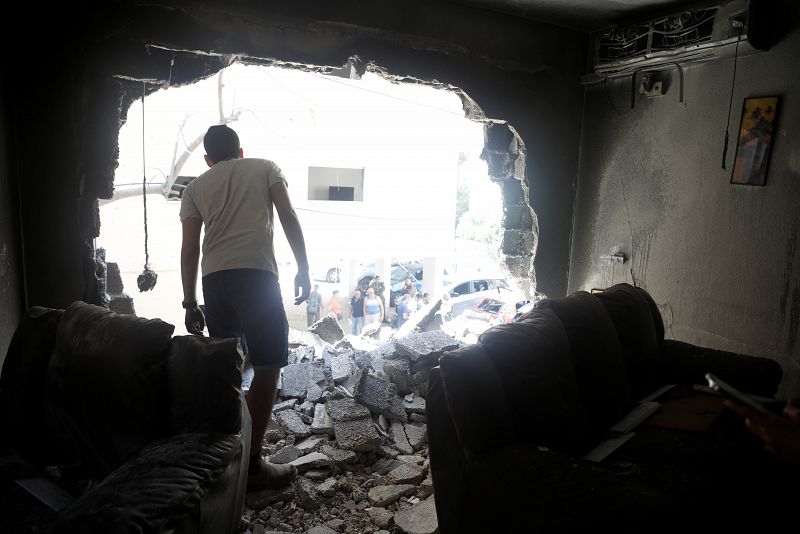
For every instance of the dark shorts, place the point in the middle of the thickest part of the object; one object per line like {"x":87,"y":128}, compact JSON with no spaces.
{"x":247,"y":303}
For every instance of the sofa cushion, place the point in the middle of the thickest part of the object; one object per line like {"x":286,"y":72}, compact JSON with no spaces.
{"x":475,"y":399}
{"x":205,"y":384}
{"x":22,"y":386}
{"x":597,"y":357}
{"x":633,"y":318}
{"x":158,"y":490}
{"x":106,"y":383}
{"x":532,"y":357}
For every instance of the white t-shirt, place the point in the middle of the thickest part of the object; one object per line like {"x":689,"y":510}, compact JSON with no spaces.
{"x":234,"y":202}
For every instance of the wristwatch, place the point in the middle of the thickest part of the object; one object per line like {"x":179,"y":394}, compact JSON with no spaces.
{"x":188,"y":305}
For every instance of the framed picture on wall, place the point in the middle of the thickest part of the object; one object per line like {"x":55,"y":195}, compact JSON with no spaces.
{"x":755,"y":140}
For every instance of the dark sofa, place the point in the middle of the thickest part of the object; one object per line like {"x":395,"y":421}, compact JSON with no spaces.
{"x":511,"y":418}
{"x":143,"y":431}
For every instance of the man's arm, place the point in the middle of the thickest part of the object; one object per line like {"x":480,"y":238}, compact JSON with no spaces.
{"x":294,"y":234}
{"x":190,"y":257}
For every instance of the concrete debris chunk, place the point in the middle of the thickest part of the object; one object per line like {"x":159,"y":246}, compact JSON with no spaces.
{"x":400,"y":439}
{"x":328,"y":329}
{"x":386,"y":495}
{"x":419,"y":519}
{"x":339,"y":456}
{"x":297,"y":378}
{"x":380,"y":397}
{"x":414,"y":459}
{"x":344,"y":409}
{"x":285,"y":455}
{"x":380,"y":516}
{"x":426,"y":487}
{"x":425,"y":346}
{"x":415,"y":405}
{"x":384,"y":466}
{"x":357,"y":435}
{"x":285,"y":405}
{"x":306,"y":493}
{"x":301,"y":354}
{"x":321,"y":529}
{"x":399,"y":373}
{"x":292,"y":422}
{"x":342,"y":366}
{"x":322,"y":423}
{"x":307,"y":408}
{"x":312,"y":460}
{"x":417,"y":435}
{"x":406,"y":474}
{"x":314,"y":393}
{"x":310,"y":444}
{"x":274,"y":431}
{"x":327,"y":488}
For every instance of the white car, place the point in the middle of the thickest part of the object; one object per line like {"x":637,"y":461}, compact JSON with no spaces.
{"x":468,"y":292}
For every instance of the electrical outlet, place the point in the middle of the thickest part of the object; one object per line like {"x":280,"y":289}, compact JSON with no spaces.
{"x":618,"y":258}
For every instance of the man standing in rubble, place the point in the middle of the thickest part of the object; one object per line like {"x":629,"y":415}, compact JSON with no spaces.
{"x":234,"y":200}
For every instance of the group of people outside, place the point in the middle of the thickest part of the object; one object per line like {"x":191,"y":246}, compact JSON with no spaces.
{"x":314,"y":306}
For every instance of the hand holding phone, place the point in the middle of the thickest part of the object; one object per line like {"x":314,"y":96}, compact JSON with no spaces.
{"x":734,"y":394}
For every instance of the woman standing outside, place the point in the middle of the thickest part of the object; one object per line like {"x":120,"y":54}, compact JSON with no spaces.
{"x":373,"y":308}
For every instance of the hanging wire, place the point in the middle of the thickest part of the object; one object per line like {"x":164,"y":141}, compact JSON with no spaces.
{"x":730,"y":103}
{"x":144,"y":184}
{"x":147,"y":280}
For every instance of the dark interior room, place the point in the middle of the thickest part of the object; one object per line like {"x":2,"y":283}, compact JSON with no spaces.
{"x":618,"y":140}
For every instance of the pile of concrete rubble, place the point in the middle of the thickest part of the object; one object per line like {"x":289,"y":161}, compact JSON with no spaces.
{"x":350,"y":415}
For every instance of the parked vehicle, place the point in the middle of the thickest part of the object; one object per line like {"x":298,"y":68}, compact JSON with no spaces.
{"x":467,"y":293}
{"x":492,"y":311}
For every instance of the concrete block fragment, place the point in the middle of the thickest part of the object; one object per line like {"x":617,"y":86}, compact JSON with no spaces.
{"x":285,"y":405}
{"x":311,"y":444}
{"x":285,"y":455}
{"x":328,"y":329}
{"x":386,"y":495}
{"x":425,"y":347}
{"x":322,"y":423}
{"x":339,"y":456}
{"x":419,"y":519}
{"x":313,"y":460}
{"x":406,"y":474}
{"x":342,"y":366}
{"x":380,"y":397}
{"x":417,"y":435}
{"x":345,"y":409}
{"x":357,"y":435}
{"x":292,"y":423}
{"x":400,"y":439}
{"x":399,"y":373}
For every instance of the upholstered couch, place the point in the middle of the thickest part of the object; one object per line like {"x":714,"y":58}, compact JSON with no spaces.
{"x":145,"y":431}
{"x":512,"y":418}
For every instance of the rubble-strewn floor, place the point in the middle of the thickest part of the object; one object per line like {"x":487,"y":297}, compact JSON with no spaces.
{"x":351,"y":416}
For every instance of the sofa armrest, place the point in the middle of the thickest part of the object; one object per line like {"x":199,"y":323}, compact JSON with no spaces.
{"x":684,"y":363}
{"x":159,"y":490}
{"x":476,"y":399}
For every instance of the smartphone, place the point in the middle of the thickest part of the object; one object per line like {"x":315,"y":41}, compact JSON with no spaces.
{"x":731,"y":392}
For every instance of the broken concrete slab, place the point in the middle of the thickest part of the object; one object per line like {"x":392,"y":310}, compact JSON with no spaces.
{"x":297,"y":378}
{"x":306,"y":493}
{"x":414,"y":459}
{"x":311,"y":444}
{"x":327,"y":488}
{"x":322,"y":423}
{"x":285,"y":455}
{"x":285,"y":405}
{"x":356,"y":435}
{"x":321,"y":529}
{"x":301,"y":354}
{"x":307,"y":408}
{"x":339,"y":456}
{"x":400,"y":438}
{"x":313,"y":460}
{"x":399,"y":373}
{"x":417,"y":435}
{"x":292,"y":422}
{"x":380,"y":516}
{"x":342,"y":366}
{"x":314,"y":393}
{"x":345,"y":409}
{"x":405,"y":474}
{"x":425,"y":347}
{"x":419,"y":519}
{"x":328,"y":329}
{"x":274,"y":431}
{"x":387,"y":494}
{"x":384,"y":466}
{"x":415,"y":405}
{"x":380,"y":397}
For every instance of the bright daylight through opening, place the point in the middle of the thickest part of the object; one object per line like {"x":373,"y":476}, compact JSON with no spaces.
{"x":381,"y":175}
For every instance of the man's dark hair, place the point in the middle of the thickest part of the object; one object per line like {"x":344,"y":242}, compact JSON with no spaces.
{"x":221,"y":143}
